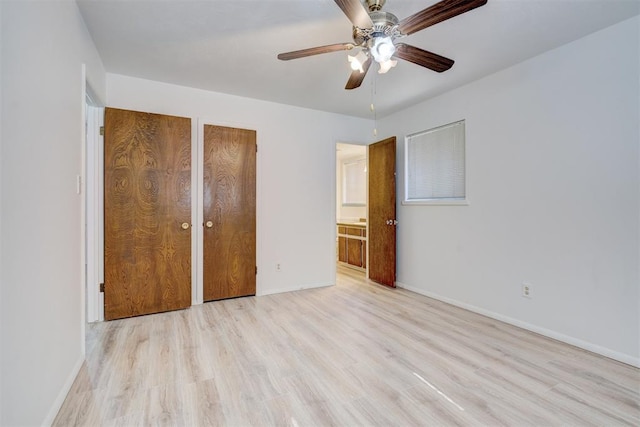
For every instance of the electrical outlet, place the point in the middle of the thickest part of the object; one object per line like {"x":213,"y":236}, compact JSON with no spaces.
{"x":527,"y":290}
{"x":278,"y":267}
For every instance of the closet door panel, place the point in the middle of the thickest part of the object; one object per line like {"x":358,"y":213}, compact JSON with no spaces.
{"x":147,"y":208}
{"x":229,"y":197}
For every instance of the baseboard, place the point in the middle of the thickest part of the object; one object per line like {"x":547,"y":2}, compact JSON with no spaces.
{"x":299,"y":288}
{"x":594,"y":348}
{"x":57,"y":404}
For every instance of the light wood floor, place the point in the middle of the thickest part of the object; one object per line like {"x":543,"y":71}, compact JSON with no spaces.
{"x":352,"y":354}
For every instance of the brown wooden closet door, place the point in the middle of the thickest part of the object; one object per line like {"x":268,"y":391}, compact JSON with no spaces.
{"x":229,"y":212}
{"x":147,"y":209}
{"x":382,"y":212}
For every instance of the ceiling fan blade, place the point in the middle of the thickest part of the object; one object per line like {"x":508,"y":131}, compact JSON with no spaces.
{"x":356,"y":77}
{"x":437,"y":13}
{"x":423,"y":58}
{"x":315,"y":51}
{"x":356,"y":13}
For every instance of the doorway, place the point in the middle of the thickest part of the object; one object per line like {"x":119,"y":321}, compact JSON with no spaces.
{"x":351,"y":206}
{"x":366,"y":209}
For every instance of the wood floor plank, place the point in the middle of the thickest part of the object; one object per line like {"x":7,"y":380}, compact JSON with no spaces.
{"x":205,"y":404}
{"x":353,"y":354}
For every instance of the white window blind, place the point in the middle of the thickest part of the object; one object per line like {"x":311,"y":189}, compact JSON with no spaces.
{"x":435,"y":164}
{"x":354,"y":182}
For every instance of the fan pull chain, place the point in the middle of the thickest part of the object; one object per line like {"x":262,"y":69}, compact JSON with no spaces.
{"x":373,"y":107}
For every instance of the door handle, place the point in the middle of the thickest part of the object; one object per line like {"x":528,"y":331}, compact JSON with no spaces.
{"x":391,"y":222}
{"x":209,"y":224}
{"x":185,"y":225}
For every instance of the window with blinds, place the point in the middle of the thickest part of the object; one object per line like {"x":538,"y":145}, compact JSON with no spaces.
{"x":435,"y":165}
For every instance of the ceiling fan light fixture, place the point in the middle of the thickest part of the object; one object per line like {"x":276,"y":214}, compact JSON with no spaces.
{"x":383,"y":49}
{"x":387,"y":65}
{"x":375,"y":32}
{"x":356,"y":62}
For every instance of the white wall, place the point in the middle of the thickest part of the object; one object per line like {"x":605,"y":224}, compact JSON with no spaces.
{"x":44,"y":45}
{"x":553,"y":184}
{"x":295,"y":175}
{"x":1,"y":281}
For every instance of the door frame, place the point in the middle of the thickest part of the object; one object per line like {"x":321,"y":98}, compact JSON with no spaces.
{"x":92,"y":191}
{"x":94,"y":184}
{"x":94,"y":199}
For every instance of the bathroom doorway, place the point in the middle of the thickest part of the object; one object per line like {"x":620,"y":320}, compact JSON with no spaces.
{"x":351,"y":206}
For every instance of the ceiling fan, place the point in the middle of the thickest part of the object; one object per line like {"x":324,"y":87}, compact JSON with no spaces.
{"x":376,"y":33}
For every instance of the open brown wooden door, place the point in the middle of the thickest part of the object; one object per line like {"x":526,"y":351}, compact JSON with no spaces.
{"x":382,"y":212}
{"x":229,"y":212}
{"x":147,"y":211}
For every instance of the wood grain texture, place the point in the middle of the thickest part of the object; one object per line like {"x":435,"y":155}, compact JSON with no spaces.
{"x":147,"y":196}
{"x":382,"y":207}
{"x":436,"y":13}
{"x":353,"y":354}
{"x":302,"y":53}
{"x":423,"y":58}
{"x":342,"y":249}
{"x":355,"y":11}
{"x":354,"y":231}
{"x":230,"y":204}
{"x":354,"y":252}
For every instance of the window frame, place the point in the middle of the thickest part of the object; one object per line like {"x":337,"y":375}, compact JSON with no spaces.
{"x":450,"y":201}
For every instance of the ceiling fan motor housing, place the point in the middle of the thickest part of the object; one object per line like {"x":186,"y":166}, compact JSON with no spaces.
{"x":374,"y":5}
{"x":385,"y":24}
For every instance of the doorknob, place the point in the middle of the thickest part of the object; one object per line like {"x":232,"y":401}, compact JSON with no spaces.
{"x":185,"y":225}
{"x":209,"y":224}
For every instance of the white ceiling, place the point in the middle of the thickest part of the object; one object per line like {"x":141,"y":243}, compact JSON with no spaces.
{"x":230,"y":46}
